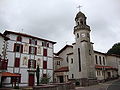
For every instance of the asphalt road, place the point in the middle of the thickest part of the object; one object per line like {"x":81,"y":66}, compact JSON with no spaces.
{"x":110,"y":85}
{"x":114,"y":86}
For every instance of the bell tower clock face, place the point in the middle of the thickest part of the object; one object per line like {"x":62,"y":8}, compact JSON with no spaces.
{"x":83,"y":34}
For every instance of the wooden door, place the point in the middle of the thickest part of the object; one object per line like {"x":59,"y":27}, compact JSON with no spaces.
{"x":31,"y":80}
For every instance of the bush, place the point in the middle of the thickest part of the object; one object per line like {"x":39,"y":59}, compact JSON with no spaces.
{"x":45,"y":80}
{"x":16,"y":87}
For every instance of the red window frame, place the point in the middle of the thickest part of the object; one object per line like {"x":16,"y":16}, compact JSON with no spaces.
{"x":4,"y":64}
{"x":44,"y":52}
{"x":31,"y":63}
{"x":30,"y":50}
{"x":33,"y":41}
{"x":20,"y":47}
{"x":17,"y":62}
{"x":19,"y":38}
{"x":44,"y":64}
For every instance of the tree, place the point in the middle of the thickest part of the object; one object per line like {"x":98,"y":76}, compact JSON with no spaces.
{"x":115,"y":49}
{"x":45,"y":80}
{"x":38,"y":74}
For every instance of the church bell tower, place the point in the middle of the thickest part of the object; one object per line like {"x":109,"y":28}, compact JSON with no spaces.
{"x":83,"y":49}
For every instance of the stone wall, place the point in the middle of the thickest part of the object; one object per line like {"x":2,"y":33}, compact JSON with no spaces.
{"x":55,"y":86}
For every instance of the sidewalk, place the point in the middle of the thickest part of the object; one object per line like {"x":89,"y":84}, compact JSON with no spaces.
{"x":100,"y":86}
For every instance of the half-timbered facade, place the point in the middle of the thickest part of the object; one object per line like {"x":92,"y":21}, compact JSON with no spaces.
{"x":24,"y":53}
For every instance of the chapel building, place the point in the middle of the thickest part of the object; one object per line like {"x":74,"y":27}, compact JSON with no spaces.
{"x":79,"y":62}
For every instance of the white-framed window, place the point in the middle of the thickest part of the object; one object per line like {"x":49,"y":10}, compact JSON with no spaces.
{"x":98,"y":73}
{"x":103,"y":60}
{"x":58,"y":62}
{"x":71,"y":60}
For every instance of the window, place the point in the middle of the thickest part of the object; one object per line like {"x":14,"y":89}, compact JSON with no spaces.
{"x":33,"y":41}
{"x":71,"y":60}
{"x":17,"y":62}
{"x":31,"y":63}
{"x":72,"y":75}
{"x":58,"y":62}
{"x":18,"y":47}
{"x":100,"y":60}
{"x":77,"y":35}
{"x":19,"y":38}
{"x":78,"y":23}
{"x":79,"y":58}
{"x":88,"y":35}
{"x":96,"y":59}
{"x":14,"y":79}
{"x":103,"y":61}
{"x":98,"y":73}
{"x":45,"y":44}
{"x":42,"y":43}
{"x":89,"y":52}
{"x":67,"y":59}
{"x":44,"y":52}
{"x":32,"y":50}
{"x":81,"y":22}
{"x":44,"y":64}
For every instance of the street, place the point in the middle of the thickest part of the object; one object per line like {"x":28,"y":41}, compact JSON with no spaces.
{"x":111,"y":85}
{"x":114,"y":86}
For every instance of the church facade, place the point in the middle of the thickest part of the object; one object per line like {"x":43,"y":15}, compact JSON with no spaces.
{"x":79,"y":62}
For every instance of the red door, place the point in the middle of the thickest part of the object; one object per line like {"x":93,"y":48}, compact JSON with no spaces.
{"x":31,"y":80}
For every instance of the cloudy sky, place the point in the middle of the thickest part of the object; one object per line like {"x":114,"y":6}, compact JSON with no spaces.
{"x":54,"y":20}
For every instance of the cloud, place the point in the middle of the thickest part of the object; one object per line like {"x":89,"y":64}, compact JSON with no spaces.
{"x":54,"y":19}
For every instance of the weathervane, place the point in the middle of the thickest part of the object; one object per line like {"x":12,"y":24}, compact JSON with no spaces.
{"x":79,"y":7}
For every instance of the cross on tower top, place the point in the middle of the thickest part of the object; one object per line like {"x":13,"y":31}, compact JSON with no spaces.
{"x":79,"y":7}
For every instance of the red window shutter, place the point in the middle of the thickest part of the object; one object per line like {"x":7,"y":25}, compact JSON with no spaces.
{"x":19,"y":38}
{"x":29,"y":49}
{"x":34,"y":63}
{"x":2,"y":64}
{"x":17,"y":62}
{"x":29,"y":41}
{"x":44,"y":52}
{"x":14,"y":47}
{"x":35,"y":50}
{"x":29,"y":63}
{"x":5,"y":63}
{"x":21,"y":48}
{"x":36,"y":42}
{"x":44,"y":64}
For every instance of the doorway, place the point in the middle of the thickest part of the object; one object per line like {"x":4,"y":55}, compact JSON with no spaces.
{"x":31,"y":80}
{"x":61,"y":79}
{"x":109,"y":74}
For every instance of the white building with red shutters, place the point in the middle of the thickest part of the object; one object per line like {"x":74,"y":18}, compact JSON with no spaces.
{"x":24,"y":53}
